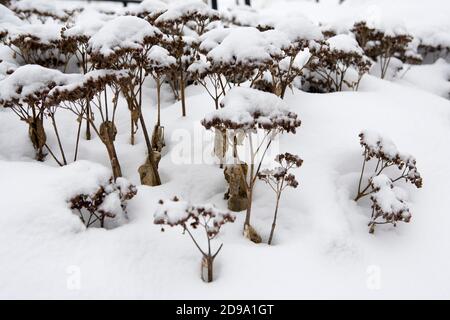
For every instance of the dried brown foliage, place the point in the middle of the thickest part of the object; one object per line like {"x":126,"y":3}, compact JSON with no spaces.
{"x":176,"y":212}
{"x":388,"y":205}
{"x":91,"y":207}
{"x":387,"y":202}
{"x":91,"y":91}
{"x":382,"y":47}
{"x":328,"y":69}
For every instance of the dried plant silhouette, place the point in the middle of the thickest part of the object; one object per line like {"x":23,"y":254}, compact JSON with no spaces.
{"x":176,"y":212}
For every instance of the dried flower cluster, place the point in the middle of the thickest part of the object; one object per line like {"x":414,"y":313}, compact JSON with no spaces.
{"x":388,"y":201}
{"x":331,"y":66}
{"x":176,"y":212}
{"x":243,"y":112}
{"x":383,"y":48}
{"x":108,"y":201}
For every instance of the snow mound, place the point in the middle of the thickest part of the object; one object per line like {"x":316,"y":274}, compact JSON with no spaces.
{"x":344,"y":43}
{"x":126,"y":32}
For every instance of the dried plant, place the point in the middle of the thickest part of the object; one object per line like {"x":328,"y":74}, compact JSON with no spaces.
{"x":92,"y":87}
{"x":279,"y":179}
{"x":329,"y":68}
{"x":149,"y":10}
{"x":383,"y":47}
{"x":39,"y":44}
{"x":435,"y":51}
{"x":182,"y":23}
{"x":243,"y":112}
{"x":76,"y":41}
{"x":210,"y":79}
{"x":176,"y":212}
{"x":95,"y":207}
{"x":30,"y":10}
{"x":129,"y":51}
{"x":302,"y":37}
{"x":159,"y":64}
{"x":25,"y":93}
{"x":387,"y":201}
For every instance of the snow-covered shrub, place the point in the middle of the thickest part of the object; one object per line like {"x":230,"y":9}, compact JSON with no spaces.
{"x":194,"y":14}
{"x":242,"y":53}
{"x":434,"y":46}
{"x":123,"y":44}
{"x":176,"y":212}
{"x":149,"y":10}
{"x":302,"y":35}
{"x":337,"y":62}
{"x":78,"y":34}
{"x":213,"y":81}
{"x":25,"y":92}
{"x":159,"y":64}
{"x":246,"y":16}
{"x":183,"y":23}
{"x":108,"y":201}
{"x":38,"y":44}
{"x":279,"y":179}
{"x":388,"y":201}
{"x":43,"y":10}
{"x":8,"y":63}
{"x":243,"y":112}
{"x":75,"y":94}
{"x":386,"y":46}
{"x":75,"y":39}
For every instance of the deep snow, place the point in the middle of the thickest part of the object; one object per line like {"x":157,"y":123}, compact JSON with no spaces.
{"x":322,"y":248}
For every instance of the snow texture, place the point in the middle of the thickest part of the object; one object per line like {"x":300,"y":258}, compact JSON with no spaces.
{"x":321,"y":235}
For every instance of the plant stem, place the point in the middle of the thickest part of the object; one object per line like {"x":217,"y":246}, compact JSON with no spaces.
{"x":274,"y":218}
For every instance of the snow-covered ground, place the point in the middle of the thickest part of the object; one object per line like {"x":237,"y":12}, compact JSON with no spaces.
{"x":322,"y":248}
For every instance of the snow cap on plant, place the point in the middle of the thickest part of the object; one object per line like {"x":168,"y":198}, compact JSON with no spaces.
{"x":250,"y":109}
{"x":29,"y":83}
{"x":44,"y":9}
{"x":122,"y":34}
{"x":175,"y":212}
{"x":388,"y":203}
{"x":181,"y":12}
{"x":377,"y":146}
{"x":80,"y":87}
{"x":149,"y":10}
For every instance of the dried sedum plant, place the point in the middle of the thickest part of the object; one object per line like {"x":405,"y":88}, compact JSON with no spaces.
{"x":384,"y":47}
{"x":108,"y":201}
{"x":183,"y":23}
{"x":279,"y":179}
{"x":91,"y":88}
{"x":124,"y":44}
{"x":25,"y":92}
{"x":39,"y":44}
{"x":388,"y":201}
{"x":176,"y":212}
{"x":243,"y":112}
{"x":43,"y":10}
{"x":337,"y":63}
